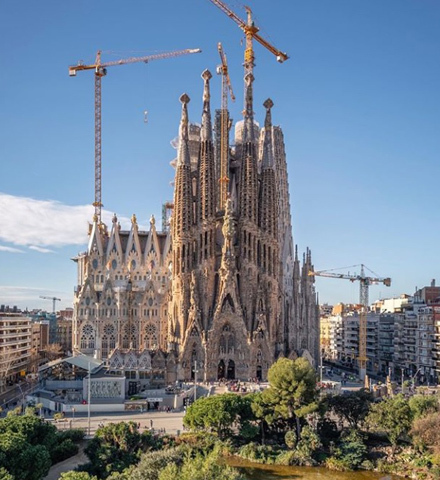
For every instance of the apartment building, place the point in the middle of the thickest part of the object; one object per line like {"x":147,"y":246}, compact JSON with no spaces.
{"x":15,"y":346}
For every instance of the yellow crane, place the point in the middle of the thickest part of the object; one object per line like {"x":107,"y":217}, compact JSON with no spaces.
{"x":224,"y":126}
{"x":100,"y":69}
{"x":251,"y":32}
{"x":364,"y":283}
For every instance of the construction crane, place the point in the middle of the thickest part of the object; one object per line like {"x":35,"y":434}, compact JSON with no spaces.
{"x":54,"y":300}
{"x":167,"y":209}
{"x":100,"y":69}
{"x":224,"y":126}
{"x":364,"y":283}
{"x":251,"y":33}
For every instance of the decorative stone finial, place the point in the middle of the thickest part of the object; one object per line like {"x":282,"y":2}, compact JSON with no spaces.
{"x":152,"y":221}
{"x":268,"y":104}
{"x":133,"y":219}
{"x":206,"y":130}
{"x":206,"y":75}
{"x":184,"y":99}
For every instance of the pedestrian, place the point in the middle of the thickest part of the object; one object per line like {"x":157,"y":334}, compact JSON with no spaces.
{"x":151,"y":423}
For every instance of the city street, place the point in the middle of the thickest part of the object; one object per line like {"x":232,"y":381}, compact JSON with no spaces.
{"x":170,"y":421}
{"x":15,"y":394}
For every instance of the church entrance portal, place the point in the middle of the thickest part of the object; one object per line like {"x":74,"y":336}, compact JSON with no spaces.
{"x":259,"y":373}
{"x":221,"y":370}
{"x":231,"y":370}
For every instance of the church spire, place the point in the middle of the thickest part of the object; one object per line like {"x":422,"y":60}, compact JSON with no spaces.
{"x":248,"y":134}
{"x":268,"y":160}
{"x":206,"y":132}
{"x":183,"y":157}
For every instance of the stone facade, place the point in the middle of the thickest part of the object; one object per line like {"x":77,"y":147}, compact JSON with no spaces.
{"x":223,"y":291}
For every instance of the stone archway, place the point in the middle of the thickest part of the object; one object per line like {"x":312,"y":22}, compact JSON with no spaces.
{"x":259,"y":373}
{"x":221,"y":370}
{"x":230,"y":374}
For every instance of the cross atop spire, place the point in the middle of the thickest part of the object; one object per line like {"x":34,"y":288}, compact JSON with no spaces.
{"x":206,"y":132}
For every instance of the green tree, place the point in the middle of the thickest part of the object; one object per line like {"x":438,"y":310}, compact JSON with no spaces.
{"x":391,"y":416}
{"x":5,"y":475}
{"x":351,"y":408}
{"x":351,"y":449}
{"x":152,"y":463}
{"x":219,"y":414}
{"x":115,"y":447}
{"x":422,"y":405}
{"x":200,"y":467}
{"x":73,"y":475}
{"x":21,"y":459}
{"x":292,"y":392}
{"x":33,"y":429}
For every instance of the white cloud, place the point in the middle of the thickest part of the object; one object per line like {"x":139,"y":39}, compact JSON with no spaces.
{"x":45,"y":223}
{"x":4,"y":248}
{"x":41,"y":249}
{"x":18,"y":295}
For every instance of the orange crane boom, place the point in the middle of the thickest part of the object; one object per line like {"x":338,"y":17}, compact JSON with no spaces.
{"x":100,"y":69}
{"x":364,"y":283}
{"x":251,"y":33}
{"x":224,"y":126}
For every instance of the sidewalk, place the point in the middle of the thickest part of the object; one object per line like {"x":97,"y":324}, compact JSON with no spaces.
{"x":67,"y":465}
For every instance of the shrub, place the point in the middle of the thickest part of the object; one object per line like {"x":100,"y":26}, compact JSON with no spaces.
{"x":290,"y":438}
{"x":152,"y":463}
{"x":258,"y":453}
{"x":351,"y":450}
{"x":333,"y":463}
{"x":72,"y":475}
{"x":65,"y":449}
{"x":76,"y":435}
{"x":249,"y":431}
{"x":327,"y":431}
{"x":307,"y":446}
{"x":426,"y":432}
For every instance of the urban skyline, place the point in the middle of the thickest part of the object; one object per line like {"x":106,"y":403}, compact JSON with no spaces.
{"x":358,"y":102}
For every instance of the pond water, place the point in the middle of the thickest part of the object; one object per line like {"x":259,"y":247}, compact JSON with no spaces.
{"x":257,"y":471}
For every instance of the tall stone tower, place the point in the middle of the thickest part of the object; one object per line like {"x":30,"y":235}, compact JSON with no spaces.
{"x":222,"y":292}
{"x":239,"y":297}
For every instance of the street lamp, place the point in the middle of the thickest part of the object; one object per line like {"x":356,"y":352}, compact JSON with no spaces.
{"x":88,"y":399}
{"x":22,"y":395}
{"x":195,"y":379}
{"x":414,"y":376}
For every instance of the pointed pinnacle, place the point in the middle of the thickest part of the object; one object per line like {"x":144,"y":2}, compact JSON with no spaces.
{"x":184,"y":99}
{"x":268,"y":104}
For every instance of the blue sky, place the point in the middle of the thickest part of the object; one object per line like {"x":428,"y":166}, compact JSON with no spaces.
{"x":358,"y":100}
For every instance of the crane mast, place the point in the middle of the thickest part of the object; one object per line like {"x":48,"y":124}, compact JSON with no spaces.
{"x":251,"y":33}
{"x":54,"y":300}
{"x":364,"y":283}
{"x":224,"y":126}
{"x":100,"y":69}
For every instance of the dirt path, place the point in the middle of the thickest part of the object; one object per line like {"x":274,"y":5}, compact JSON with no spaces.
{"x":68,"y":464}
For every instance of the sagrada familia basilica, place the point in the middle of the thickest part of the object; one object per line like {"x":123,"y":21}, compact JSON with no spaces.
{"x":221,"y":293}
